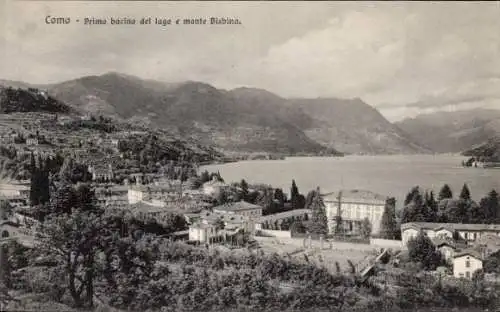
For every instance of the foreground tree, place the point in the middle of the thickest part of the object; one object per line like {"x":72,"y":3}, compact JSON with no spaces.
{"x":421,"y":250}
{"x":388,"y":226}
{"x":366,"y":228}
{"x":75,"y":240}
{"x":319,"y":222}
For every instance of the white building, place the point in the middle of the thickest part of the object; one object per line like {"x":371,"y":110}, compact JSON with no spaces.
{"x":240,"y":208}
{"x":139,"y":193}
{"x":466,"y":263}
{"x":467,"y":232}
{"x":214,"y":188}
{"x":208,"y":228}
{"x":355,"y":206}
{"x":15,"y":190}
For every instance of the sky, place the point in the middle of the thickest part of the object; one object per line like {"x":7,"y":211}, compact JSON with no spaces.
{"x":402,"y":58}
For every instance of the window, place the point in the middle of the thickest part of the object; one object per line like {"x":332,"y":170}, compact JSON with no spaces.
{"x":5,"y":234}
{"x":467,"y":274}
{"x":467,"y":264}
{"x":461,"y":274}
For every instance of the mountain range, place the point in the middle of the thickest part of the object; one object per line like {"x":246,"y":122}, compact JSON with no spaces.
{"x":256,"y":120}
{"x":453,"y":132}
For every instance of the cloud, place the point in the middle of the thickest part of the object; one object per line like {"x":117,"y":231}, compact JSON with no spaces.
{"x":400,"y":57}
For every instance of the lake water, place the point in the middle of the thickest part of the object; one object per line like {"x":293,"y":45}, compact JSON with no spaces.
{"x":386,"y":175}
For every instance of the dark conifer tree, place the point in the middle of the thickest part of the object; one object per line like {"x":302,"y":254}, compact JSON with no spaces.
{"x":294,"y":196}
{"x":388,"y":223}
{"x":319,"y":224}
{"x":465,"y":193}
{"x":445,"y":193}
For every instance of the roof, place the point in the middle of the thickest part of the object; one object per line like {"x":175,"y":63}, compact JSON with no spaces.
{"x":450,"y":226}
{"x":237,"y":206}
{"x":469,"y":252}
{"x":284,"y":215}
{"x":14,"y":186}
{"x":438,"y":242}
{"x":214,"y":216}
{"x":355,"y":195}
{"x":215,"y":183}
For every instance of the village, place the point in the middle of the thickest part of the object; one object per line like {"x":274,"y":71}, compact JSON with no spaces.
{"x":240,"y":224}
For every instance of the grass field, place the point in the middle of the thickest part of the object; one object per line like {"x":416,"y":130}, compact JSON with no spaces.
{"x":340,"y":252}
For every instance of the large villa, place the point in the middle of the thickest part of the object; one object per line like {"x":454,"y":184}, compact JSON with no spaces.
{"x":354,"y":207}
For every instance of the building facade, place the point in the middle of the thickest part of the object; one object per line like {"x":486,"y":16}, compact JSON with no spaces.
{"x":242,"y":208}
{"x":467,"y":232}
{"x":466,"y":263}
{"x":354,"y":206}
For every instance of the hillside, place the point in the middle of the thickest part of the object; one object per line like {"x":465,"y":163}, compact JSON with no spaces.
{"x":488,"y":151}
{"x":354,"y":127}
{"x":240,"y":120}
{"x":33,"y":122}
{"x":192,"y":109}
{"x":453,"y":132}
{"x":29,"y":100}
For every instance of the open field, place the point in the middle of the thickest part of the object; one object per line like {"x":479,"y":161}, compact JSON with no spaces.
{"x":340,"y":252}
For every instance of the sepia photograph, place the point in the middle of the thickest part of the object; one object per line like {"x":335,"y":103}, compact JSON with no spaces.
{"x":243,"y":156}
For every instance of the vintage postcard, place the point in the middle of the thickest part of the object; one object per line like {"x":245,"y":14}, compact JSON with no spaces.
{"x":249,"y":156}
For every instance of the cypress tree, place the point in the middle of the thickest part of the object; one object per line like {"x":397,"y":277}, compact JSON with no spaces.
{"x":445,"y":193}
{"x":294,"y":196}
{"x":388,"y":223}
{"x":34,"y":182}
{"x":465,"y":193}
{"x":319,"y":224}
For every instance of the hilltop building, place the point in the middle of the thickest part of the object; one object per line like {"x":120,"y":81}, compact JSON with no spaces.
{"x":354,"y":206}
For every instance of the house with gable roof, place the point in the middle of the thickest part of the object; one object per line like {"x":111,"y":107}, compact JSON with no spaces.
{"x":466,"y":263}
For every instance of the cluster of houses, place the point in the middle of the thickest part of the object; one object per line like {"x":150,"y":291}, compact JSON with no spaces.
{"x":465,"y":246}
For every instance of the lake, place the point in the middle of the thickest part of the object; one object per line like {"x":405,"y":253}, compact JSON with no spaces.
{"x":386,"y":175}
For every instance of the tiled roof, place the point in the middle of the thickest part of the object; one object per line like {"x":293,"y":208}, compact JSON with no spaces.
{"x":237,"y":206}
{"x":438,"y":242}
{"x":451,"y":226}
{"x":354,"y":195}
{"x":468,"y":252}
{"x":286,"y":214}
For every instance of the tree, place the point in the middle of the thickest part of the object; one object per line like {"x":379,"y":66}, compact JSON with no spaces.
{"x":319,"y":224}
{"x":294,"y":196}
{"x":414,"y":210}
{"x":430,"y":207}
{"x":309,"y":199}
{"x":465,"y":193}
{"x":490,"y":207}
{"x":205,"y":176}
{"x":422,"y":250}
{"x":388,"y":226}
{"x":280,"y":197}
{"x":244,"y":189}
{"x":75,"y":240}
{"x":445,"y":193}
{"x":366,"y":228}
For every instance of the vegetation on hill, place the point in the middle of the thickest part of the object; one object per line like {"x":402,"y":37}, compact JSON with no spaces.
{"x":212,"y":116}
{"x":486,"y":152}
{"x":353,"y":126}
{"x":29,"y":100}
